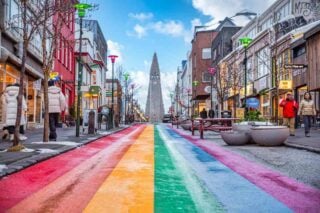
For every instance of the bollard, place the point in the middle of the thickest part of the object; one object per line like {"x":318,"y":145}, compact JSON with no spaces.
{"x":91,"y":127}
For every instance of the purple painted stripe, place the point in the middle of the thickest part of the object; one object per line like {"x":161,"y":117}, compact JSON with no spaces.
{"x":296,"y":195}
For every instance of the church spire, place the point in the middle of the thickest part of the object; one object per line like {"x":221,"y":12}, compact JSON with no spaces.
{"x":154,"y":108}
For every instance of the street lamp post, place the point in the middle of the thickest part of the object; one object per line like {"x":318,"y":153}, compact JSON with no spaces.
{"x":245,"y":42}
{"x":81,"y":13}
{"x":113,"y":59}
{"x":171,"y":108}
{"x":212,"y":71}
{"x":195,"y":84}
{"x":126,"y":77}
{"x":188,"y":91}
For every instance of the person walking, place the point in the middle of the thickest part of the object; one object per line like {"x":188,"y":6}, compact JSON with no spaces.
{"x":10,"y":107}
{"x":307,"y":110}
{"x":211,"y":113}
{"x":57,"y":104}
{"x":290,"y":106}
{"x":204,"y":114}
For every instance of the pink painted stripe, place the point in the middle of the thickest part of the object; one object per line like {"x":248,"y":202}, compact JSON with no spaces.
{"x":297,"y":196}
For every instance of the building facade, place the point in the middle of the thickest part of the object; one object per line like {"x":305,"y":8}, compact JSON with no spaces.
{"x":200,"y":57}
{"x":93,"y":57}
{"x":10,"y":61}
{"x":272,"y":50}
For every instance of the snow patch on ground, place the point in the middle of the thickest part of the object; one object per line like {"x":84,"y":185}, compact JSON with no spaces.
{"x":92,"y":138}
{"x":66,"y":143}
{"x":3,"y":167}
{"x":43,"y":151}
{"x":27,"y":150}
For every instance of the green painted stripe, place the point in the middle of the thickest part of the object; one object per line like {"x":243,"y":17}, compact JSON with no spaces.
{"x":171,"y":194}
{"x":204,"y":200}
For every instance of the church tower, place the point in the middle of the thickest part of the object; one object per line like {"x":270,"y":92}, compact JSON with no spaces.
{"x":154,"y":108}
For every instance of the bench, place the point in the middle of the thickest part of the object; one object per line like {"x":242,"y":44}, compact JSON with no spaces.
{"x":212,"y":124}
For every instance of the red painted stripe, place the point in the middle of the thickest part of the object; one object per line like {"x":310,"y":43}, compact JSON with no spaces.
{"x":18,"y":186}
{"x":296,"y":195}
{"x":72,"y":191}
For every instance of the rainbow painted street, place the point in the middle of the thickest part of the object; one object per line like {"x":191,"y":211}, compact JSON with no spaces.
{"x":153,"y":168}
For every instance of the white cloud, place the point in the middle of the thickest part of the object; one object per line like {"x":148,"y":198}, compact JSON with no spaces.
{"x":218,"y":9}
{"x":139,"y":30}
{"x":114,"y":49}
{"x":188,"y":35}
{"x":173,"y":28}
{"x":141,"y":16}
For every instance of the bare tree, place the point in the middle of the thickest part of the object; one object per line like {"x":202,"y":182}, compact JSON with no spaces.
{"x":52,"y":24}
{"x":34,"y":17}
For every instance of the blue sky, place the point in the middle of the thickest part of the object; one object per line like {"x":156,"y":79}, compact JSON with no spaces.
{"x":135,"y":29}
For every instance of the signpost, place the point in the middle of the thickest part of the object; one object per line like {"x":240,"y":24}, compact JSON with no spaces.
{"x":295,"y":66}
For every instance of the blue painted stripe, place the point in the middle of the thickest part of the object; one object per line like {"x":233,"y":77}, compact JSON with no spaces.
{"x":235,"y":192}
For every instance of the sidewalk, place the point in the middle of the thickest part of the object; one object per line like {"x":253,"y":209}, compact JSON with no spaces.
{"x":300,"y":141}
{"x":37,"y":151}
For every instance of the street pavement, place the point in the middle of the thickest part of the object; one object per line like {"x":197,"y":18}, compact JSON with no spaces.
{"x":154,"y":168}
{"x":37,"y":151}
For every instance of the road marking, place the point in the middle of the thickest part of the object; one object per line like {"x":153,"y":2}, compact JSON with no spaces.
{"x":130,"y":186}
{"x":297,"y":196}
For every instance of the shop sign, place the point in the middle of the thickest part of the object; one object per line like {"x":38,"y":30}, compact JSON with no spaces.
{"x":295,"y":66}
{"x":253,"y":103}
{"x":207,"y":89}
{"x":240,"y":113}
{"x":298,"y":72}
{"x":285,"y":84}
{"x":53,"y":75}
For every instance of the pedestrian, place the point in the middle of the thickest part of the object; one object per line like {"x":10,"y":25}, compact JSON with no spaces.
{"x":204,"y":114}
{"x":57,"y":104}
{"x":308,"y":111}
{"x":10,"y":106}
{"x":211,"y":113}
{"x":290,"y":107}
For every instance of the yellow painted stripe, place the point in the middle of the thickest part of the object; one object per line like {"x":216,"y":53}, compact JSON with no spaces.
{"x":130,"y":187}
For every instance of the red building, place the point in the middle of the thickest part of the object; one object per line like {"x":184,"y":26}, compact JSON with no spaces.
{"x":200,"y":58}
{"x":64,"y":62}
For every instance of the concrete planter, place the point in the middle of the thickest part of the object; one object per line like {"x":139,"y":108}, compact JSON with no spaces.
{"x":235,"y":138}
{"x":246,"y":127}
{"x":270,"y":135}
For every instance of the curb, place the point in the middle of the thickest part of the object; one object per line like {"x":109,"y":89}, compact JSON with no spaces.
{"x":308,"y":148}
{"x":37,"y":159}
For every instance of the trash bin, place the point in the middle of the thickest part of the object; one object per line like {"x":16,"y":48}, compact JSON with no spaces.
{"x":226,"y":114}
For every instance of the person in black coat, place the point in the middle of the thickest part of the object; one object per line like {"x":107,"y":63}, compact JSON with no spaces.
{"x":204,"y":114}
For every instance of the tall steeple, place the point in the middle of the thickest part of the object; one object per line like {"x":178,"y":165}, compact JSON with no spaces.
{"x":154,"y":108}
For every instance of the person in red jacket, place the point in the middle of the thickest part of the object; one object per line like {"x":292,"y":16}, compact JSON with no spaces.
{"x":290,"y":107}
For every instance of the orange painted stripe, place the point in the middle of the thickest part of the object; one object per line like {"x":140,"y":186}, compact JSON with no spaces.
{"x":130,"y":187}
{"x":72,"y":191}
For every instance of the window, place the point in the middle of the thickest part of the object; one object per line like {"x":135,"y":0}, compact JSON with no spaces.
{"x":206,"y":77}
{"x":206,"y":53}
{"x":283,"y":12}
{"x":300,"y":50}
{"x":263,"y":62}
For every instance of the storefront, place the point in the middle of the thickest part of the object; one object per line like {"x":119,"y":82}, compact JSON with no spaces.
{"x":9,"y":74}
